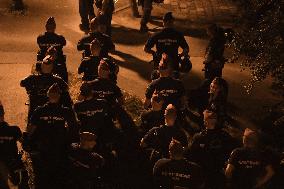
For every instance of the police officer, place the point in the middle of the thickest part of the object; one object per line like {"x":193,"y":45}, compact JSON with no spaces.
{"x":51,"y":43}
{"x":106,"y":9}
{"x":87,"y":13}
{"x":155,"y":116}
{"x":167,"y":41}
{"x":159,"y":138}
{"x":37,"y":86}
{"x":171,"y":90}
{"x":248,"y":167}
{"x":146,"y":16}
{"x":97,"y":28}
{"x":89,"y":65}
{"x":84,"y":164}
{"x":176,"y":171}
{"x":210,"y":149}
{"x":9,"y":135}
{"x":104,"y":87}
{"x":214,"y":59}
{"x":95,"y":115}
{"x":50,"y":137}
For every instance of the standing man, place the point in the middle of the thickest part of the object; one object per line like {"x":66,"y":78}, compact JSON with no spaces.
{"x":167,"y":41}
{"x":87,"y":13}
{"x":106,"y":9}
{"x":146,"y":16}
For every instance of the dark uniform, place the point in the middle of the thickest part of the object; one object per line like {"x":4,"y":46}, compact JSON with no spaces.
{"x":210,"y":149}
{"x":105,"y":41}
{"x":37,"y":87}
{"x":9,"y":135}
{"x":96,"y":116}
{"x":51,"y":138}
{"x":84,"y":167}
{"x":152,"y":119}
{"x":214,"y":62}
{"x":168,"y":41}
{"x":47,"y":40}
{"x":159,"y":138}
{"x":175,"y":174}
{"x":87,"y":13}
{"x":249,"y":164}
{"x":171,"y":90}
{"x":108,"y":9}
{"x":146,"y":16}
{"x":89,"y":66}
{"x":107,"y":90}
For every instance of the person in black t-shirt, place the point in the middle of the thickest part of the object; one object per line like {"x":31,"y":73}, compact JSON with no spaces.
{"x":248,"y":167}
{"x":37,"y":86}
{"x":89,"y":65}
{"x":51,"y":43}
{"x":214,"y":60}
{"x":167,"y":41}
{"x":210,"y":149}
{"x":176,"y":172}
{"x":84,"y":164}
{"x":9,"y":135}
{"x":96,"y":32}
{"x":159,"y":138}
{"x":171,"y":90}
{"x":155,"y":116}
{"x":50,"y":136}
{"x":104,"y":87}
{"x":95,"y":115}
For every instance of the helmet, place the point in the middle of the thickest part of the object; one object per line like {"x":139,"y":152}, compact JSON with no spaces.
{"x":185,"y":64}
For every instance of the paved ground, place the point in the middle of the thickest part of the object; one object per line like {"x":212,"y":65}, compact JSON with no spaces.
{"x":18,"y":52}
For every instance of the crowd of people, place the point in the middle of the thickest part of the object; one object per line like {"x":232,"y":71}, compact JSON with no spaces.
{"x":94,"y":143}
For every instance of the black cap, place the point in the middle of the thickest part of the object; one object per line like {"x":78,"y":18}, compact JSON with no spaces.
{"x":51,"y":21}
{"x":168,"y":17}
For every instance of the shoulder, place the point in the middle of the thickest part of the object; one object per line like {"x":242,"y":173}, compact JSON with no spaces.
{"x":237,"y":151}
{"x":40,"y":36}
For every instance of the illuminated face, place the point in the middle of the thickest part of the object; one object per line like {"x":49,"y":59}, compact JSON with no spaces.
{"x":214,"y":88}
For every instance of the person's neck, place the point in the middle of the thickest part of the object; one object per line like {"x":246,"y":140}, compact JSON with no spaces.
{"x":156,"y":109}
{"x":177,"y":157}
{"x":83,"y":147}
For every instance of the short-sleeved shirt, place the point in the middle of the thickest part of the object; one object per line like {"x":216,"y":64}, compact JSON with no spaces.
{"x":38,"y":85}
{"x":50,"y":123}
{"x":107,"y":90}
{"x":105,"y":41}
{"x":9,"y":135}
{"x":171,"y":90}
{"x":167,"y":41}
{"x":83,"y":165}
{"x":249,"y":165}
{"x":211,"y":149}
{"x":152,"y":119}
{"x":95,"y":115}
{"x":183,"y":174}
{"x":48,"y":39}
{"x":89,"y":66}
{"x":159,"y":138}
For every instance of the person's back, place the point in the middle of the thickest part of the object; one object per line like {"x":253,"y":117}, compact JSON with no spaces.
{"x":152,"y":119}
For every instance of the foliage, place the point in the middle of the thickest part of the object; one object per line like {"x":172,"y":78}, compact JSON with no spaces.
{"x":259,"y":41}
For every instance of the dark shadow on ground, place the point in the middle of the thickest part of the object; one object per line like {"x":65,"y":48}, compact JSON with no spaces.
{"x":128,"y":36}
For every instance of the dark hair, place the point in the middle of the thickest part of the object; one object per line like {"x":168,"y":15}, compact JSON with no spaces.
{"x":223,"y":85}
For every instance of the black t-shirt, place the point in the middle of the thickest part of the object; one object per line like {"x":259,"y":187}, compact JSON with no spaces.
{"x":167,"y":41}
{"x":105,"y":41}
{"x":152,"y":119}
{"x":89,"y":66}
{"x":249,"y":165}
{"x":171,"y":90}
{"x":107,"y":90}
{"x":83,"y":166}
{"x":177,"y":174}
{"x":48,"y":39}
{"x":51,"y":134}
{"x":38,"y":85}
{"x":95,"y":116}
{"x":9,"y":135}
{"x":211,"y":149}
{"x":159,"y":138}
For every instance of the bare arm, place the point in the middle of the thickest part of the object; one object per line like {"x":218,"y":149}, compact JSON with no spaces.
{"x":269,"y":174}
